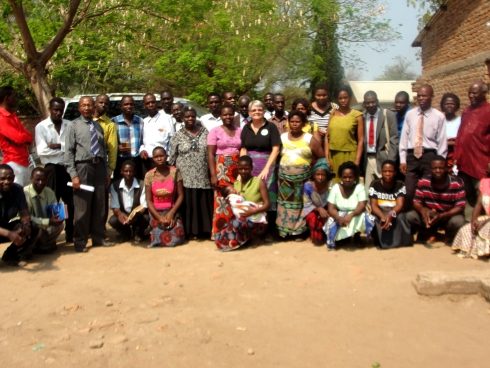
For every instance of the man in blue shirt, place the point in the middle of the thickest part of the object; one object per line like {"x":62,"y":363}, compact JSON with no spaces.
{"x":402,"y":101}
{"x":129,"y":129}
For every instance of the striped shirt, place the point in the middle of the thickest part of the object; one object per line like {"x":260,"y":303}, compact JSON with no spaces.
{"x":132,"y":133}
{"x":441,"y":200}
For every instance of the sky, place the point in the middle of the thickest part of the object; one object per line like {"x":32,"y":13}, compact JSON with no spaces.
{"x":404,"y":19}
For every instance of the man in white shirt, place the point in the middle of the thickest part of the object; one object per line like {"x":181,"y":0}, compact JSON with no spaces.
{"x":212,"y":120}
{"x":176,"y":119}
{"x":268,"y":105}
{"x":158,"y":128}
{"x":378,"y":145}
{"x":242,"y":118}
{"x":50,"y":146}
{"x":127,"y":194}
{"x":166,"y":100}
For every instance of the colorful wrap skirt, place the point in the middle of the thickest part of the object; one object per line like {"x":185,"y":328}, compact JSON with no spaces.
{"x":227,"y":172}
{"x":315,"y":224}
{"x":363,"y":223}
{"x":163,"y":237}
{"x":290,"y":216}
{"x":237,"y":233}
{"x":259,"y":160}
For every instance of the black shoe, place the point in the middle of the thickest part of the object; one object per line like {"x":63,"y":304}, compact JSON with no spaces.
{"x":122,"y":238}
{"x":69,"y":239}
{"x":14,"y":262}
{"x":84,"y":250}
{"x":104,"y":243}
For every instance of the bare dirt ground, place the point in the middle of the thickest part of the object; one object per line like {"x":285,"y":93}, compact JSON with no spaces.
{"x":293,"y":304}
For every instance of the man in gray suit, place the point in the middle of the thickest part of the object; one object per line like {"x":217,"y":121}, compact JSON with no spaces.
{"x":380,"y":124}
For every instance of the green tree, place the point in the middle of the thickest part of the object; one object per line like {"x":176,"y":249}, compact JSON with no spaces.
{"x":399,"y":70}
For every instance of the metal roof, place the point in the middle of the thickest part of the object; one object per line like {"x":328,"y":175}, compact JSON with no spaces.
{"x":386,"y":90}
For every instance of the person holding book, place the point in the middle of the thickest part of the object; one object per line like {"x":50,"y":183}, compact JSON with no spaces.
{"x":128,"y":202}
{"x":39,"y":199}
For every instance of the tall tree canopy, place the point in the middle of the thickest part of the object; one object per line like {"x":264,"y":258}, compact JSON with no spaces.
{"x":194,"y":47}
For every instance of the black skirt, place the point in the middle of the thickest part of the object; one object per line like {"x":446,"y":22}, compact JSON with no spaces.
{"x":197,"y":211}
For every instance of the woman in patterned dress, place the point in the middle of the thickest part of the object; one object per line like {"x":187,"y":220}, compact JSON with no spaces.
{"x":473,"y":239}
{"x":164,"y":195}
{"x":223,"y":151}
{"x":315,"y":201}
{"x":298,"y":149}
{"x":239,"y":230}
{"x":189,"y":153}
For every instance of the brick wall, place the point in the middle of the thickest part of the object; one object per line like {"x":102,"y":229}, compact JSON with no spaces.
{"x":456,"y":49}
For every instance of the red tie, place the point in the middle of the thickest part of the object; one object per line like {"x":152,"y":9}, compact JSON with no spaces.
{"x":371,"y":132}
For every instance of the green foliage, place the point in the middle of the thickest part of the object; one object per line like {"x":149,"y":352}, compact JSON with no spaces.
{"x":195,"y":47}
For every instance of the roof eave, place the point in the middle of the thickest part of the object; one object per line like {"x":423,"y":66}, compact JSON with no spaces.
{"x":418,"y":41}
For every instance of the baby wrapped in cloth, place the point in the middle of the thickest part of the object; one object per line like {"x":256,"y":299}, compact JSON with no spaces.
{"x":239,"y":205}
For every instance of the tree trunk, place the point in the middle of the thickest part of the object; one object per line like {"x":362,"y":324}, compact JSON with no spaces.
{"x":36,"y":75}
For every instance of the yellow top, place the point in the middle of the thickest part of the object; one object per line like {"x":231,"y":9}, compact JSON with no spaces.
{"x":296,"y":153}
{"x":110,"y":137}
{"x":343,"y":132}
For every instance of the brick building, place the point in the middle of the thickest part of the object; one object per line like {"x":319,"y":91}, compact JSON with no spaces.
{"x":455,"y":48}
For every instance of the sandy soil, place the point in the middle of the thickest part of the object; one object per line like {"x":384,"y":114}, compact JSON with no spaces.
{"x":293,"y":304}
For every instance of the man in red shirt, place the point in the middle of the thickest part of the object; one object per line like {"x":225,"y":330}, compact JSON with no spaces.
{"x":14,"y":137}
{"x":472,"y":147}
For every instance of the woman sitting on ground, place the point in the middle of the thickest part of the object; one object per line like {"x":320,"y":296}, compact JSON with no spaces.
{"x":241,"y":229}
{"x":315,"y":202}
{"x":164,"y":196}
{"x":347,"y":208}
{"x":473,"y":239}
{"x":387,"y":198}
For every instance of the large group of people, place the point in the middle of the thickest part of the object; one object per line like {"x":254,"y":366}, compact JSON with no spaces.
{"x":249,"y":172}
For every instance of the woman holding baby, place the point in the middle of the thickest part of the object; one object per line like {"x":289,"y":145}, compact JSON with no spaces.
{"x":250,"y":198}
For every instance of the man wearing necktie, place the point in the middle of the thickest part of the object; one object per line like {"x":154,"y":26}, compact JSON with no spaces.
{"x":86,"y":162}
{"x":423,"y":137}
{"x":379,"y":146}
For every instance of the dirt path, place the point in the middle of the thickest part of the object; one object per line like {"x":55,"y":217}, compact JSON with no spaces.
{"x":293,"y":304}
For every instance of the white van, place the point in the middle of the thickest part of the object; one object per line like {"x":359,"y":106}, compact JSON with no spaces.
{"x":71,"y":106}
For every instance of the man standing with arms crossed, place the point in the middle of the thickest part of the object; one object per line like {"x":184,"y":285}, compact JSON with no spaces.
{"x":86,"y":162}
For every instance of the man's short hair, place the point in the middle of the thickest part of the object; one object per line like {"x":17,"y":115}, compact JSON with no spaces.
{"x":224,"y":94}
{"x":438,"y":158}
{"x":370,"y":93}
{"x":404,"y":94}
{"x":5,"y":92}
{"x":58,"y":100}
{"x":130,"y":163}
{"x":166,"y":91}
{"x":213,"y":94}
{"x":37,"y":170}
{"x":127,"y":96}
{"x":6,"y":167}
{"x":277,"y":95}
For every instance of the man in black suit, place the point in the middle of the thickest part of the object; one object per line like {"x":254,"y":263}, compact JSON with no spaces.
{"x":381,"y":137}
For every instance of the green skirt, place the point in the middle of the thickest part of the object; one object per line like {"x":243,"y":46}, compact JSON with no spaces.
{"x":337,"y":158}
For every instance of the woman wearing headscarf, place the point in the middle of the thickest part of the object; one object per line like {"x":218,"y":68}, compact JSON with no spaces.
{"x":315,"y":201}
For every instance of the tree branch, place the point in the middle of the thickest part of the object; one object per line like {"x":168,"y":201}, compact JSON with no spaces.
{"x":99,"y":13}
{"x":50,"y":48}
{"x":11,"y":60}
{"x":29,"y":45}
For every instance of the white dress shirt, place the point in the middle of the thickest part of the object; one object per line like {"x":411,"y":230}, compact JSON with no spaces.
{"x":45,"y":134}
{"x":209,"y":121}
{"x":127,"y":196}
{"x":157,"y":131}
{"x":434,"y":132}
{"x":371,"y":149}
